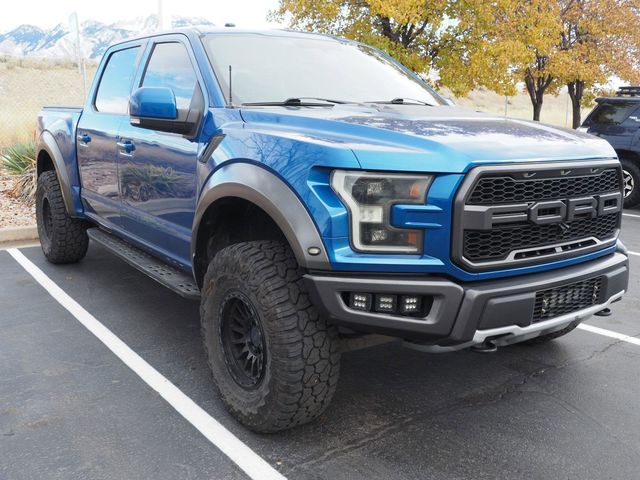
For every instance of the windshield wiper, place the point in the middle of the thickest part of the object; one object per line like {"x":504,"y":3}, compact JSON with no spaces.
{"x":296,"y":102}
{"x":402,"y":101}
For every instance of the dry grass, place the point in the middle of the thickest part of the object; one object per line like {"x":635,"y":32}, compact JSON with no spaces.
{"x":27,"y":84}
{"x":554,"y":110}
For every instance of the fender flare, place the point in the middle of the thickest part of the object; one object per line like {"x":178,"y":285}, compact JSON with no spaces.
{"x":48,"y":143}
{"x":265,"y":190}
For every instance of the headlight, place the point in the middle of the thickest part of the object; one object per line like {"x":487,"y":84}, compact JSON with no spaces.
{"x":369,"y":197}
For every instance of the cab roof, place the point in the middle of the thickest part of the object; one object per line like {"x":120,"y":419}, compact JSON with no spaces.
{"x":208,"y":30}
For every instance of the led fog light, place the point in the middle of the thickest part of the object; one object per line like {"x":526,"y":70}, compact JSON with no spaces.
{"x":360,"y":301}
{"x":385,"y":303}
{"x":410,"y":304}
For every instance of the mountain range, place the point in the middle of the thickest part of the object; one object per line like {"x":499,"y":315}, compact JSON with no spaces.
{"x":95,"y":36}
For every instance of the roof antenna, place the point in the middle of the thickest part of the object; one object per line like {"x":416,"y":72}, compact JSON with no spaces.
{"x":230,"y":89}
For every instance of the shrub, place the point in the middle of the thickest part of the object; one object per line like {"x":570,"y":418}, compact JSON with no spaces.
{"x":19,"y":161}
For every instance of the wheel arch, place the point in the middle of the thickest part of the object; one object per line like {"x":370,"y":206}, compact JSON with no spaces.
{"x":49,"y":157}
{"x":274,"y":207}
{"x":626,"y":154}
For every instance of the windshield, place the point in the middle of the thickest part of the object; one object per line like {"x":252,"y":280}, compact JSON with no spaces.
{"x":269,"y":68}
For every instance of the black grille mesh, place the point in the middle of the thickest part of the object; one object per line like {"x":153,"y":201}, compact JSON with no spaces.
{"x":505,"y":189}
{"x":496,"y":244}
{"x":559,"y":301}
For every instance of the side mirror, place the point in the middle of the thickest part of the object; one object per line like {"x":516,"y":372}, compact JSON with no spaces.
{"x":155,"y":108}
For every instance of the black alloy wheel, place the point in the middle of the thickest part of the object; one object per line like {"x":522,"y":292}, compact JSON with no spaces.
{"x":47,"y":218}
{"x":242,"y":340}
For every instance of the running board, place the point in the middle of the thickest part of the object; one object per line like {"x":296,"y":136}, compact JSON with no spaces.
{"x":172,"y":278}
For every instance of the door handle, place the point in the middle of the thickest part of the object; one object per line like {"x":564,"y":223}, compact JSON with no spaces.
{"x":127,"y":146}
{"x":84,"y":138}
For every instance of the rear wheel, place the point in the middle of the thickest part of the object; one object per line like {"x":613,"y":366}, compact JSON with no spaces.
{"x":274,"y":360}
{"x":631,"y":176}
{"x":63,"y":238}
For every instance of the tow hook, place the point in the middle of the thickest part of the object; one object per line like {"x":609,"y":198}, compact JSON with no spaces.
{"x":485,"y":347}
{"x":604,"y":313}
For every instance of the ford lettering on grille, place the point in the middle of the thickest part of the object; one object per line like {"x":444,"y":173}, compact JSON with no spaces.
{"x":513,"y":216}
{"x":479,"y":217}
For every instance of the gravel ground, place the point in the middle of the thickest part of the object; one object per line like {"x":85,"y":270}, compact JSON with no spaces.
{"x":13,"y":212}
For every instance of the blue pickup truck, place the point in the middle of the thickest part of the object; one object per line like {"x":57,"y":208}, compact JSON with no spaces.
{"x":305,"y":188}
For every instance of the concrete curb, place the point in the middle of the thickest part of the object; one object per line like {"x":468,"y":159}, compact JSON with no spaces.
{"x":18,"y":234}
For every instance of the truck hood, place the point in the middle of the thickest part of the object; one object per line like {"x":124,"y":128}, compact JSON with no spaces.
{"x":423,"y":138}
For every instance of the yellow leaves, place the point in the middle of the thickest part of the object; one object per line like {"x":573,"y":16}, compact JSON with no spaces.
{"x":408,"y":11}
{"x":491,"y":43}
{"x":599,"y":39}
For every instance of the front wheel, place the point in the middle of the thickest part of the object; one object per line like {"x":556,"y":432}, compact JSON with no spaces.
{"x":274,"y":360}
{"x":631,"y":177}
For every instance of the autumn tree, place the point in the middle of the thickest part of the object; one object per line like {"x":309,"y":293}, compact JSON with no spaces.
{"x":599,"y":39}
{"x":579,"y":44}
{"x":536,"y":26}
{"x":522,"y":36}
{"x":405,"y":29}
{"x":544,"y":44}
{"x":418,"y":33}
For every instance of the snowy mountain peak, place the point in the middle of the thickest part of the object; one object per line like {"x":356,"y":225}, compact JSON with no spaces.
{"x":95,"y":36}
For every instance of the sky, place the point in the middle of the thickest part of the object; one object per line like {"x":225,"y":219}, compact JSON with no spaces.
{"x":48,"y":13}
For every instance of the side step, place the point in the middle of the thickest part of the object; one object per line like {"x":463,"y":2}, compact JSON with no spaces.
{"x":172,"y":278}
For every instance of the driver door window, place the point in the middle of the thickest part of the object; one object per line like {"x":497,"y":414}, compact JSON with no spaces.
{"x":170,"y":67}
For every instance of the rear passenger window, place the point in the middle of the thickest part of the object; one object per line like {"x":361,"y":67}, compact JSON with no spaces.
{"x":170,"y":67}
{"x":612,"y":113}
{"x":115,"y":84}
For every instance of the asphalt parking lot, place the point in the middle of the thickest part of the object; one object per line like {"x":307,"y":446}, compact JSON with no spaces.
{"x":71,"y":409}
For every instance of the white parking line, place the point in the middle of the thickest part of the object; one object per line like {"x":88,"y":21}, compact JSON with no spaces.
{"x":631,"y":215}
{"x":249,"y":461}
{"x":609,"y":333}
{"x":633,"y":253}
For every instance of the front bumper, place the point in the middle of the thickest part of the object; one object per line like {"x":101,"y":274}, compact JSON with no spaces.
{"x":464,"y":314}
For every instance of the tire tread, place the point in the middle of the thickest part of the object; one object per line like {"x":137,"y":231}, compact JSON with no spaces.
{"x":305,"y":354}
{"x":69,"y":240}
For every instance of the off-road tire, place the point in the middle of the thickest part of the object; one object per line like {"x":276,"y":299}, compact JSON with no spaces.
{"x":633,"y":168}
{"x":63,"y":238}
{"x":551,"y":336}
{"x":302,"y":361}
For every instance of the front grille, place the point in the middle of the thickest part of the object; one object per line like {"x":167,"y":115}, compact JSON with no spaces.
{"x":506,"y":189}
{"x":496,"y":244}
{"x":559,"y":301}
{"x":509,"y":216}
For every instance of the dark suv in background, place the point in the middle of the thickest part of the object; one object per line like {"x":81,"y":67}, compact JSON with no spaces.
{"x":617,"y":120}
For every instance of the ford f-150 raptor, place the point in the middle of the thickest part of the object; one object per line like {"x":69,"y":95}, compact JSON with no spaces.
{"x":304,"y":187}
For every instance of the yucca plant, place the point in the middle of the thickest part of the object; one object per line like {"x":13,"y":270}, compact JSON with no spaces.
{"x":19,"y":161}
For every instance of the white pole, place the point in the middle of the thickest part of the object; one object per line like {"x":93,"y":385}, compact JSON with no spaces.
{"x":566,"y":113}
{"x":75,"y":28}
{"x":160,"y":16}
{"x":506,"y":106}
